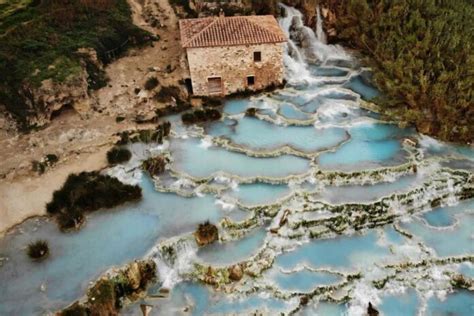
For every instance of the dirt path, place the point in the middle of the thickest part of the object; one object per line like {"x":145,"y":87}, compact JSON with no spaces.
{"x":81,"y":142}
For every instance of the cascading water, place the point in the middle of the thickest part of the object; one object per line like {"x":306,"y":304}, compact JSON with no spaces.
{"x":323,"y":206}
{"x":320,"y":35}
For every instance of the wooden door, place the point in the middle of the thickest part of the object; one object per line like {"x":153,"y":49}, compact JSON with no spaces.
{"x":214,"y":85}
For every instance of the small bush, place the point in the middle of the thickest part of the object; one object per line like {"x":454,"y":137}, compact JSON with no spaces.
{"x":154,"y":166}
{"x":166,"y":94}
{"x":88,"y":192}
{"x":200,"y":116}
{"x":251,"y":112}
{"x":118,"y":155}
{"x":48,"y":161}
{"x":38,"y":250}
{"x":211,"y":102}
{"x":206,"y":234}
{"x":151,"y":83}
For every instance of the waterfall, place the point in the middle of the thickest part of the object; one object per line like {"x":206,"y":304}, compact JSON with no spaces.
{"x":173,"y":259}
{"x":293,"y":59}
{"x":320,"y":35}
{"x":305,"y":46}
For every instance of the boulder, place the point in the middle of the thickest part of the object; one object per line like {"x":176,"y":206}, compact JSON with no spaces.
{"x":134,"y":275}
{"x":236,"y":273}
{"x":371,"y":311}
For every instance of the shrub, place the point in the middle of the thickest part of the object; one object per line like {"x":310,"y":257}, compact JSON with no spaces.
{"x":48,"y":161}
{"x":45,"y":33}
{"x":88,"y":192}
{"x":200,"y":116}
{"x":206,"y":233}
{"x":421,"y":56}
{"x":38,"y":250}
{"x":145,"y":135}
{"x":154,"y":166}
{"x":211,"y":102}
{"x":151,"y":83}
{"x":118,"y":155}
{"x":251,"y":112}
{"x":166,"y":94}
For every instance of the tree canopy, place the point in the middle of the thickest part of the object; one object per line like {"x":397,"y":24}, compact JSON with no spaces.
{"x":422,"y":55}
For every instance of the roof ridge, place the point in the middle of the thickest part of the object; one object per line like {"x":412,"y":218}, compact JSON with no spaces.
{"x":214,"y":20}
{"x":249,"y":18}
{"x":235,"y":30}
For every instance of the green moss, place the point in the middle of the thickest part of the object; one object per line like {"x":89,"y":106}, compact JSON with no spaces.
{"x":39,"y":40}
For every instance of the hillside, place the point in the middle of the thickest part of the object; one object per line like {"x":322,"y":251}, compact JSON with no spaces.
{"x":43,"y":62}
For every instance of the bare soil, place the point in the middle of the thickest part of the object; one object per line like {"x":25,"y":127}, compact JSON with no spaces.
{"x":81,"y":142}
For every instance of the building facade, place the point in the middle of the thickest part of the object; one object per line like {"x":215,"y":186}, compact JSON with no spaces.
{"x":232,"y":54}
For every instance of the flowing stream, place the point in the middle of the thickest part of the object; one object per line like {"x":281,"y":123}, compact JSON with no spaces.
{"x":318,"y":198}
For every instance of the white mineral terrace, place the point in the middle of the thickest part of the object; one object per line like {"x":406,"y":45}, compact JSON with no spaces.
{"x":323,"y":204}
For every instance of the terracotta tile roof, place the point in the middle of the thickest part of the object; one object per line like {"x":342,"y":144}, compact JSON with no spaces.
{"x":228,"y":31}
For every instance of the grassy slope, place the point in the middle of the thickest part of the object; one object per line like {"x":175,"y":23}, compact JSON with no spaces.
{"x":422,"y":53}
{"x":36,"y":34}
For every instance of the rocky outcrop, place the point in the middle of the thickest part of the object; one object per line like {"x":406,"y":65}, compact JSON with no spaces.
{"x":106,"y":296}
{"x":236,"y":272}
{"x":41,"y":103}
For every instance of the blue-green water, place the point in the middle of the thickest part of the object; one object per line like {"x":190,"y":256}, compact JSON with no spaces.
{"x":246,"y":164}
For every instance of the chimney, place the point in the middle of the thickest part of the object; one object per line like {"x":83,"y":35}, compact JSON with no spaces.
{"x":221,"y":13}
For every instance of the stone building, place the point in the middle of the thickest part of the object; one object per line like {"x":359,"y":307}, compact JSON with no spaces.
{"x":232,"y":54}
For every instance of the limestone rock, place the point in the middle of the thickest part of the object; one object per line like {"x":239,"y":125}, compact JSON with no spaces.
{"x":146,"y":309}
{"x":236,"y":273}
{"x":134,"y":275}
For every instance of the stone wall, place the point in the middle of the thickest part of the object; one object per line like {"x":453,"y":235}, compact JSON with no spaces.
{"x":234,"y":64}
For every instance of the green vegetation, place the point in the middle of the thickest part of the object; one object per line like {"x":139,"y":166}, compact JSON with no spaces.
{"x":251,"y":112}
{"x":87,"y":192}
{"x":38,"y":250}
{"x":422,"y":56}
{"x":155,"y":165}
{"x":40,"y":40}
{"x":458,"y":281}
{"x":167,"y":93}
{"x":106,"y":296}
{"x":200,"y":116}
{"x":47,"y":161}
{"x":146,"y":136}
{"x":151,"y":83}
{"x":206,"y":234}
{"x":118,"y":155}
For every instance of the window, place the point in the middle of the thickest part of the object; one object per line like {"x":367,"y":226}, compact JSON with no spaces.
{"x":250,"y":80}
{"x":257,"y":56}
{"x":214,"y":85}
